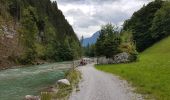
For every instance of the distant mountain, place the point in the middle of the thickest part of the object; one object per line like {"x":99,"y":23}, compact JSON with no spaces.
{"x":91,"y":40}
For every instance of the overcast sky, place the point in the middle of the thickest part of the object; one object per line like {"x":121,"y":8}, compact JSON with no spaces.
{"x":87,"y":16}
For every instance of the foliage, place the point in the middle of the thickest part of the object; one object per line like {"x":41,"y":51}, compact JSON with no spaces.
{"x":108,"y":41}
{"x":128,"y":45}
{"x":151,"y":74}
{"x":76,"y":49}
{"x":160,"y":27}
{"x":64,"y":91}
{"x":43,"y":31}
{"x":65,"y":52}
{"x":3,"y":10}
{"x":27,"y":36}
{"x":40,"y":50}
{"x":89,"y":51}
{"x":140,"y":24}
{"x":73,"y":76}
{"x":46,"y":96}
{"x":15,"y":9}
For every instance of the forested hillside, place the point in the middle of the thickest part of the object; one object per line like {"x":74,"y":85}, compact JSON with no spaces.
{"x":35,"y":30}
{"x":150,"y":24}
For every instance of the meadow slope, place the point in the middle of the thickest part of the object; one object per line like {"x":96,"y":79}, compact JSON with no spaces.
{"x":151,"y":74}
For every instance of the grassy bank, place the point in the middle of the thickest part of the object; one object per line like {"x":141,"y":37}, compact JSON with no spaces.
{"x":63,"y":91}
{"x":151,"y":74}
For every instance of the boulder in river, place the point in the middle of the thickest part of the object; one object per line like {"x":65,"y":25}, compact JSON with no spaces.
{"x":63,"y":81}
{"x":31,"y":97}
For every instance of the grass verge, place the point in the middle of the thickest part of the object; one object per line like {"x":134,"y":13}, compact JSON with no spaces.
{"x":151,"y":74}
{"x":63,"y":91}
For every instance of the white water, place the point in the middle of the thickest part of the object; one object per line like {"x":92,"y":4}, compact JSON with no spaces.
{"x":18,"y":82}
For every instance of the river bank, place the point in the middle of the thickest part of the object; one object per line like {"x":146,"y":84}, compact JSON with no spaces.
{"x":11,"y":65}
{"x":62,"y":90}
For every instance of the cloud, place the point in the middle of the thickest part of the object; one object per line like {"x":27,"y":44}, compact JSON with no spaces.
{"x":87,"y":16}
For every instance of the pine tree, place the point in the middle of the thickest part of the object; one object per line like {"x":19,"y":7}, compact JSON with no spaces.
{"x":108,"y":41}
{"x":28,"y":33}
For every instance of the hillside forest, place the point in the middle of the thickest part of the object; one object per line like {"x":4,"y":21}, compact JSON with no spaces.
{"x":146,"y":27}
{"x":34,"y":31}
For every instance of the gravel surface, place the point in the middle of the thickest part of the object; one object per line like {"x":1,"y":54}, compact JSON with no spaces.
{"x":97,"y":85}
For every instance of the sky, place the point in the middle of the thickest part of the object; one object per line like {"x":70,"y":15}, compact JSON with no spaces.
{"x":87,"y":16}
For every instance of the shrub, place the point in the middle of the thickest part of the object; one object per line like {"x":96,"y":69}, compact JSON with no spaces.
{"x":128,"y":45}
{"x":133,"y":56}
{"x":28,"y":57}
{"x":46,"y":96}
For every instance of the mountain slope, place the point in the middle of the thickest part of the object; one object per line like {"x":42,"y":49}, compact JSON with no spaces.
{"x":91,"y":40}
{"x":33,"y":30}
{"x":150,"y":74}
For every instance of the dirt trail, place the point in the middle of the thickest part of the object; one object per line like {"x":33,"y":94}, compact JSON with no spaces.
{"x":97,"y":85}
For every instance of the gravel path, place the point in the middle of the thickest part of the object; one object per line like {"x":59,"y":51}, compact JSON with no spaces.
{"x":97,"y":85}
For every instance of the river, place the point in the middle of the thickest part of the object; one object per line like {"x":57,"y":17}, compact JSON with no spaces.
{"x":18,"y":82}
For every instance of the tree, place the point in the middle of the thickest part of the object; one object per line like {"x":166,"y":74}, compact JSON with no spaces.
{"x":108,"y":41}
{"x":43,"y":31}
{"x":89,"y":50}
{"x":15,"y":9}
{"x":28,"y":33}
{"x":75,"y":49}
{"x":161,"y":27}
{"x":128,"y":45}
{"x":82,"y":40}
{"x":140,"y":24}
{"x":64,"y":51}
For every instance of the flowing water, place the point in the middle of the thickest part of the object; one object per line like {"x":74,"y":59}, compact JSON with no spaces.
{"x":18,"y":82}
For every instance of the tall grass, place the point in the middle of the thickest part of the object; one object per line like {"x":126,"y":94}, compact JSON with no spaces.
{"x":46,"y":96}
{"x":63,"y":91}
{"x":151,"y":74}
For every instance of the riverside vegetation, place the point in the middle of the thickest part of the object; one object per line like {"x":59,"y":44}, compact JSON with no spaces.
{"x":64,"y":91}
{"x":32,"y":31}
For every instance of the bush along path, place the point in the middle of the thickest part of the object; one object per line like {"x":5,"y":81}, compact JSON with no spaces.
{"x":97,"y":85}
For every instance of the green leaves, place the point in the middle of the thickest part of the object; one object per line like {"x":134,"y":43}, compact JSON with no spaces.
{"x":108,"y":42}
{"x":42,"y":31}
{"x":161,"y":27}
{"x":140,"y":24}
{"x":28,"y":33}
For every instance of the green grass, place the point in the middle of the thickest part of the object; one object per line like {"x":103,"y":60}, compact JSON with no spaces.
{"x":64,"y":91}
{"x":151,"y":74}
